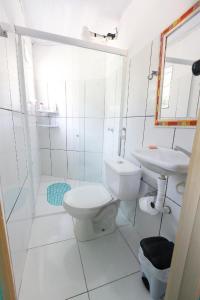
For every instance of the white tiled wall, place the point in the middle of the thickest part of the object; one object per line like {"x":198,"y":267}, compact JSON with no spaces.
{"x":138,"y":84}
{"x":170,"y":222}
{"x":58,"y":134}
{"x":88,"y":100}
{"x":157,"y":136}
{"x":134,"y":136}
{"x":138,"y":119}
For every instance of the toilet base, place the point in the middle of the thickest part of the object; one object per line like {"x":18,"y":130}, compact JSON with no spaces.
{"x":103,"y":223}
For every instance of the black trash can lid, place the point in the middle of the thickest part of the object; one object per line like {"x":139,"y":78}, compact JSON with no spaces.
{"x":158,"y":250}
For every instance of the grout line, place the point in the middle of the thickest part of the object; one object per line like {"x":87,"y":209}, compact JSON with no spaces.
{"x":105,"y":284}
{"x":162,"y":215}
{"x":129,"y":78}
{"x":79,"y":151}
{"x":76,"y":117}
{"x":173,"y":139}
{"x":115,"y":280}
{"x":129,"y":246}
{"x":147,"y":95}
{"x":12,"y":110}
{"x":84,"y":293}
{"x":17,"y":198}
{"x":84,"y":126}
{"x":50,"y":214}
{"x":161,"y":221}
{"x":66,"y":128}
{"x":48,"y":244}
{"x":136,"y":206}
{"x":148,"y":116}
{"x":127,"y":102}
{"x":50,"y":154}
{"x":103,"y":130}
{"x":151,"y":186}
{"x":173,"y":201}
{"x":77,"y":242}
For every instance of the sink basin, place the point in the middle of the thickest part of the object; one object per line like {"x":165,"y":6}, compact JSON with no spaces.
{"x":163,"y":161}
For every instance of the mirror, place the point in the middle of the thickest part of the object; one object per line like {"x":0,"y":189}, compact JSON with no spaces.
{"x":178,"y":93}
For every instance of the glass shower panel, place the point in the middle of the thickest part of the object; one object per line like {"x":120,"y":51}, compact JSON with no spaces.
{"x":83,"y":87}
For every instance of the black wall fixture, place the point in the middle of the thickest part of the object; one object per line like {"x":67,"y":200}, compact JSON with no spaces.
{"x":196,"y":68}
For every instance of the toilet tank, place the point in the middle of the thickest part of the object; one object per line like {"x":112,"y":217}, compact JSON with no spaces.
{"x":122,"y":178}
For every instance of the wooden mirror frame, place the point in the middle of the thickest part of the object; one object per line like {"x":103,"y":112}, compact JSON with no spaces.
{"x":163,"y":38}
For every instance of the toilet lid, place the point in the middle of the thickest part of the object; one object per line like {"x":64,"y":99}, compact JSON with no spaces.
{"x":90,"y":196}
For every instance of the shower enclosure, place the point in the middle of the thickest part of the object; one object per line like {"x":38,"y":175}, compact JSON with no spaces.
{"x":60,"y":109}
{"x":78,"y":104}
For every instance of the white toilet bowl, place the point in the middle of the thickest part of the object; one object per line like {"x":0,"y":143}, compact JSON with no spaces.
{"x":94,"y":210}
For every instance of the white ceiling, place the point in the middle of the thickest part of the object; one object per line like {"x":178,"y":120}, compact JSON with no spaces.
{"x":67,"y":17}
{"x":138,"y":22}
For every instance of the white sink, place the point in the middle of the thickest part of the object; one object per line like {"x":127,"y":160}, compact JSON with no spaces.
{"x":163,"y":161}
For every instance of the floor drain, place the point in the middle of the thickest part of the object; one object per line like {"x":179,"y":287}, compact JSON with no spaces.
{"x":55,"y":193}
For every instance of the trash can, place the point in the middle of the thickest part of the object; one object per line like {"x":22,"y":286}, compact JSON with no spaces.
{"x":155,"y":255}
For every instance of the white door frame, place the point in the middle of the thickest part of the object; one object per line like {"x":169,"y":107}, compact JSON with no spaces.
{"x":181,"y":262}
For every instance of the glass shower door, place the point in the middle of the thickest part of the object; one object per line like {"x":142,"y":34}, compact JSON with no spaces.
{"x":78,"y":94}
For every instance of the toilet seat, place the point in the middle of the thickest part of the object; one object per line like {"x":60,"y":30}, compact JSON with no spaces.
{"x":87,"y":197}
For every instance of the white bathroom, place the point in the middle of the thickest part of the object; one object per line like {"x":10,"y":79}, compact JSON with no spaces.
{"x":98,"y":115}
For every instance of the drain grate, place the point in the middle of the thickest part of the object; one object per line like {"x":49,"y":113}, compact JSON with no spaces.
{"x":55,"y":193}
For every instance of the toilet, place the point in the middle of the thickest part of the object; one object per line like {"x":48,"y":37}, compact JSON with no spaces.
{"x":95,"y":207}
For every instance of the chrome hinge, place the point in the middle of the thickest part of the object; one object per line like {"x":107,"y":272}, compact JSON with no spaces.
{"x":3,"y":33}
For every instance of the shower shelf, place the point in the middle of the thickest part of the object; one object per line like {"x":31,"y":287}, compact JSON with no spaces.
{"x":48,"y":126}
{"x":48,"y":113}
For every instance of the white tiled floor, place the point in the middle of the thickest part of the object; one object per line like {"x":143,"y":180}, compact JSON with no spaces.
{"x":82,"y":297}
{"x":132,"y":237}
{"x":107,"y":259}
{"x":59,"y":267}
{"x":129,"y":288}
{"x":43,"y":208}
{"x":51,"y":229}
{"x":53,"y":272}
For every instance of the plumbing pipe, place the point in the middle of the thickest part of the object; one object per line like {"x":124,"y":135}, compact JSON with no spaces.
{"x":154,"y":206}
{"x":161,"y":183}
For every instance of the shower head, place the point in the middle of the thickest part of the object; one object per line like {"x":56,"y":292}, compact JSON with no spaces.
{"x":87,"y":34}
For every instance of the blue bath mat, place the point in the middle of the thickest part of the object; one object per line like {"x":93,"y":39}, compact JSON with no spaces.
{"x":55,"y":193}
